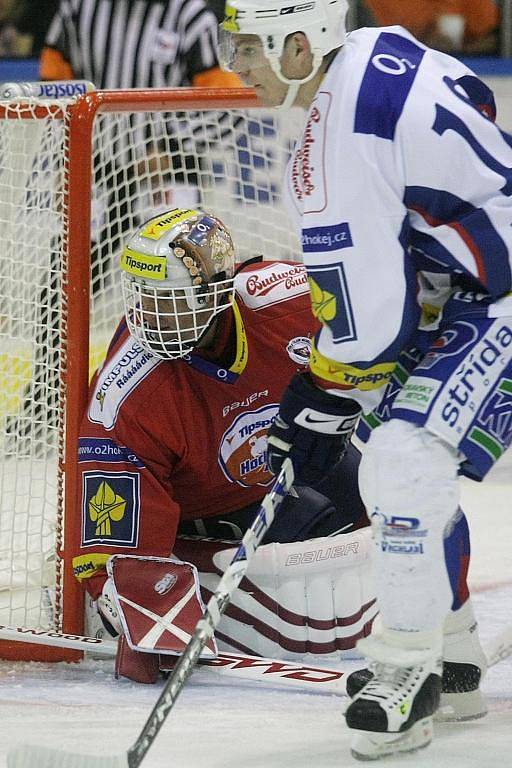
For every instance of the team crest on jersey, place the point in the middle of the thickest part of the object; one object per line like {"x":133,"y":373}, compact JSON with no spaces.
{"x":243,"y":447}
{"x":330,"y":301}
{"x":110,"y":508}
{"x":272,"y":284}
{"x":299,"y":349}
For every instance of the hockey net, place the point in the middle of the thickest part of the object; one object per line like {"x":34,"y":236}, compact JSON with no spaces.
{"x":77,"y":176}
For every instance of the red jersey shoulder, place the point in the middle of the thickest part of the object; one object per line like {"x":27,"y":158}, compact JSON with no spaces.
{"x":273,"y":283}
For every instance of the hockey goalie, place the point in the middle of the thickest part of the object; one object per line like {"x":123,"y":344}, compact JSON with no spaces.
{"x":173,"y":462}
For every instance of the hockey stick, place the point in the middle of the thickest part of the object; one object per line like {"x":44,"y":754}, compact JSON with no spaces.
{"x":30,"y":756}
{"x":244,"y":666}
{"x":319,"y":679}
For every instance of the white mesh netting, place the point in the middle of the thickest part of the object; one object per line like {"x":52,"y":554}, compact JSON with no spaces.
{"x":230,"y":162}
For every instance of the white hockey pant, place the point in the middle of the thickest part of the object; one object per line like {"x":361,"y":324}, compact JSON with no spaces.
{"x":408,"y":481}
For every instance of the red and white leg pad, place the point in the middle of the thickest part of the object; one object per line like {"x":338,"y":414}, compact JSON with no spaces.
{"x":302,"y":601}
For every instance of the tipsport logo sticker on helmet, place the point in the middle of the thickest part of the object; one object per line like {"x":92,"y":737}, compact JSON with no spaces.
{"x":243,"y":448}
{"x":156,"y":228}
{"x":110,"y":508}
{"x":142,"y":265}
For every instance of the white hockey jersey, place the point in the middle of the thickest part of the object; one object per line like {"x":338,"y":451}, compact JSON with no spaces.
{"x":400,"y":168}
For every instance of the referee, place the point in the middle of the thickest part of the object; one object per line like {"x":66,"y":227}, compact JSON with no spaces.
{"x":134,"y":44}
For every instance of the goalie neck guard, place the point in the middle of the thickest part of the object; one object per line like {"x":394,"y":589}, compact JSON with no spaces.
{"x":177,"y":276}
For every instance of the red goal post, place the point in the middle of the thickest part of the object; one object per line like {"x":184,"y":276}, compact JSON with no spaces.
{"x":77,"y":175}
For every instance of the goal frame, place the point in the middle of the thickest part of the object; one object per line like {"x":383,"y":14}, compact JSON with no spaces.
{"x":79,"y":118}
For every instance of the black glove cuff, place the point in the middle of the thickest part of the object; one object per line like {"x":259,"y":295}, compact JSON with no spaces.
{"x":311,"y":396}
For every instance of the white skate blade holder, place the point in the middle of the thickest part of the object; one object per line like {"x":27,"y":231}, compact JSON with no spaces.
{"x":461,"y":707}
{"x":368,"y":745}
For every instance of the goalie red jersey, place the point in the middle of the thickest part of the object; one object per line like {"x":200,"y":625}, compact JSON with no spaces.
{"x":164,"y":440}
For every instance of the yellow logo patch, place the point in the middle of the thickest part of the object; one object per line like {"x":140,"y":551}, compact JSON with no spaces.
{"x":349,"y":376}
{"x":142,"y":265}
{"x":104,"y":507}
{"x":86,"y":566}
{"x":230,"y":23}
{"x":323,"y":303}
{"x":156,"y":228}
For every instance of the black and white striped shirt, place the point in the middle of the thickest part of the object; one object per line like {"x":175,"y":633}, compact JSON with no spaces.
{"x":135,"y":43}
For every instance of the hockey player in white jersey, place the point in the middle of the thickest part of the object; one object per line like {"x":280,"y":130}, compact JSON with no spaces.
{"x":401,"y":189}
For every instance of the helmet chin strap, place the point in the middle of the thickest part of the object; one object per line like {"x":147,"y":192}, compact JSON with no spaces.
{"x":294,"y":85}
{"x":291,"y":95}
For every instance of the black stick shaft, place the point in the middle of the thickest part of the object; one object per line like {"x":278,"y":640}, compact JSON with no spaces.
{"x":216,"y":606}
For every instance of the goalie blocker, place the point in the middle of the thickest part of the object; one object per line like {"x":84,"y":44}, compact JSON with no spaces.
{"x":308,"y":601}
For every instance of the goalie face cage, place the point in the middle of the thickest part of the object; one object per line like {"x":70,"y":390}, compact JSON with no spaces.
{"x":76,"y":178}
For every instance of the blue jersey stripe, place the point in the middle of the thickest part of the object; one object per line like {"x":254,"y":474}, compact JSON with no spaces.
{"x":479,"y":94}
{"x":386,"y":83}
{"x":473,"y":225}
{"x":449,"y":121}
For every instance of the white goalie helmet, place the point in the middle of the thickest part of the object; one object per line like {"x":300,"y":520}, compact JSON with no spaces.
{"x":321,"y":21}
{"x":177,"y":276}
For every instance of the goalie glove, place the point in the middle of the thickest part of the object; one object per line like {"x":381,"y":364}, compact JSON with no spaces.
{"x":313,"y":427}
{"x":158,"y":605}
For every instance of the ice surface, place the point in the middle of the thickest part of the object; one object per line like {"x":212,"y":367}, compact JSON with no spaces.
{"x":225,"y":724}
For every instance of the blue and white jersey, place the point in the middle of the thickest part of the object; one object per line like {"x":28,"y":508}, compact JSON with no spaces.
{"x":400,"y":168}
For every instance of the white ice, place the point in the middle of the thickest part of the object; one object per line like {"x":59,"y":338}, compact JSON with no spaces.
{"x":224,"y":724}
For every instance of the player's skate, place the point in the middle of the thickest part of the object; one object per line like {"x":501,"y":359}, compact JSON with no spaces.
{"x":464,"y":666}
{"x":393,"y":712}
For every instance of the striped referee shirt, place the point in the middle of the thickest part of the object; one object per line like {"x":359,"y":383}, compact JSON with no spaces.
{"x":135,"y":43}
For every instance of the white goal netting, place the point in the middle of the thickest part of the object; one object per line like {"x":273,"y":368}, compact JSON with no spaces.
{"x":143,"y":161}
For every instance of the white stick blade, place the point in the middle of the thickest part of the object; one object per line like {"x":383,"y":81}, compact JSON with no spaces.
{"x":34,"y":756}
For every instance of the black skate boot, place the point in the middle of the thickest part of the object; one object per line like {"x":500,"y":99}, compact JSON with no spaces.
{"x":393,"y":712}
{"x":464,"y":666}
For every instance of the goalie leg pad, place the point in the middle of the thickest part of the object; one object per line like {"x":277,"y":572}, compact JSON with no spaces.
{"x":304,"y":599}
